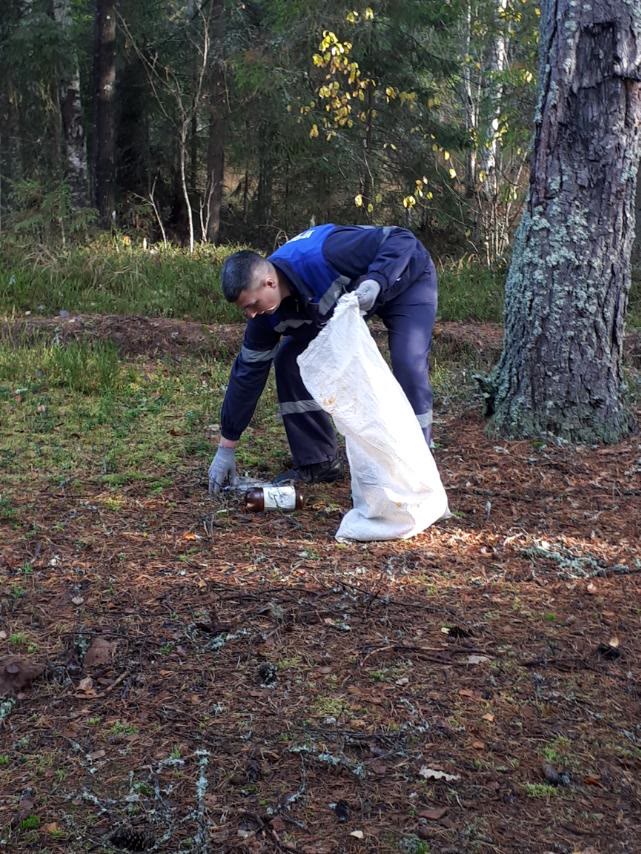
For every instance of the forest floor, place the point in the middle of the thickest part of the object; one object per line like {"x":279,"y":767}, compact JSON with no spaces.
{"x":179,"y":675}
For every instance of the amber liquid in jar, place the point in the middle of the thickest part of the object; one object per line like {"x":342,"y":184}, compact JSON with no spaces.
{"x":262,"y":498}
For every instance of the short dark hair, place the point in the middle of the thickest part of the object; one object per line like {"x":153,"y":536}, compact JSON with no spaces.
{"x":237,"y":271}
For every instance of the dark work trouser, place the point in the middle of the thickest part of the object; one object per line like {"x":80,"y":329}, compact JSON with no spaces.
{"x":409,"y":320}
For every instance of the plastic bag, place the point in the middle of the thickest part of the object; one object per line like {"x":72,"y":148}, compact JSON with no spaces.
{"x":396,"y":488}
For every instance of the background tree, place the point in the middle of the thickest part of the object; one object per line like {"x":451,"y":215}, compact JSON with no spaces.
{"x":567,"y":289}
{"x":217,"y":114}
{"x":414,"y":112}
{"x":71,"y":109}
{"x":104,"y":131}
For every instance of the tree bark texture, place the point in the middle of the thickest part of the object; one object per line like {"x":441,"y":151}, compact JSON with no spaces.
{"x":636,"y":246}
{"x":104,"y":130}
{"x":217,"y":104}
{"x":567,"y":289}
{"x":71,"y":116}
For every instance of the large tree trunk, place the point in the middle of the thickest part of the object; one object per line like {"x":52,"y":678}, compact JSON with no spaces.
{"x":217,"y":123}
{"x":71,"y":116}
{"x":104,"y":130}
{"x":568,"y":284}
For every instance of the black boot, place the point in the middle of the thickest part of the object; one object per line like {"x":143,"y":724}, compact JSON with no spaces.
{"x":326,"y":472}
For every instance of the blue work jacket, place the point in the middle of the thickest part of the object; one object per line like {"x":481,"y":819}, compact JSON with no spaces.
{"x":321,"y":264}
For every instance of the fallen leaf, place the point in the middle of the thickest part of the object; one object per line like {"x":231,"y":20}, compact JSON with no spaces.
{"x":378,"y":768}
{"x":52,"y":827}
{"x":476,"y":659}
{"x":478,"y":745}
{"x":278,"y":825}
{"x":17,"y":673}
{"x":25,"y":807}
{"x":77,"y":600}
{"x":100,"y":652}
{"x":467,"y":692}
{"x":488,"y":717}
{"x":433,"y":813}
{"x":591,"y":588}
{"x":97,"y":755}
{"x":357,"y":834}
{"x":85,"y":685}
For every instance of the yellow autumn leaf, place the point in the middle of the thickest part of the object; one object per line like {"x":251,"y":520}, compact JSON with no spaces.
{"x":358,"y":200}
{"x":446,"y":155}
{"x":313,"y":132}
{"x":369,"y":14}
{"x":409,"y":202}
{"x":452,"y":173}
{"x":370,"y":208}
{"x":429,"y":195}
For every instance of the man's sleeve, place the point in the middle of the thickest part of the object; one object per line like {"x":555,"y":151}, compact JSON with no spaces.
{"x":248,"y":377}
{"x":382,"y":254}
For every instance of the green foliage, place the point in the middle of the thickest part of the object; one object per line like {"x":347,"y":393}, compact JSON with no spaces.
{"x":45,"y":214}
{"x":470,"y":291}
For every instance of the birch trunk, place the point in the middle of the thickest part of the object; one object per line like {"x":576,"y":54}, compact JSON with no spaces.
{"x":560,"y":372}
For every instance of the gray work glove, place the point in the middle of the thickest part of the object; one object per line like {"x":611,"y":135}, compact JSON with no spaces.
{"x":222,"y":469}
{"x":366,"y":293}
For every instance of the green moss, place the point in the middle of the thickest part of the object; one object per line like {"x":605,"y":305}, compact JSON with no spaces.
{"x":540,"y":790}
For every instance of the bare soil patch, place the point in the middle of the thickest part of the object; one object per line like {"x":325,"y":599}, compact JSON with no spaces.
{"x":154,"y":336}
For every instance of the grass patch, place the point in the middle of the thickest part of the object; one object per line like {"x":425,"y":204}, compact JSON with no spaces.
{"x":540,"y":790}
{"x":115,"y":424}
{"x":111,"y":276}
{"x":83,"y":367}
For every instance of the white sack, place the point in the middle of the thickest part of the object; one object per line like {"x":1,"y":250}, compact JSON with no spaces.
{"x":396,"y":488}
